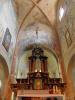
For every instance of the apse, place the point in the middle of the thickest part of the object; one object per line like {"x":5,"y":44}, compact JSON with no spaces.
{"x":53,"y":64}
{"x":36,"y":34}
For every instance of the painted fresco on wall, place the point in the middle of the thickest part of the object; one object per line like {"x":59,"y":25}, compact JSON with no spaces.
{"x":6,"y":40}
{"x":68,"y":38}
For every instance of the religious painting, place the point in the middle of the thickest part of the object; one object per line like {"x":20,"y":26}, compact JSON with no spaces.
{"x":6,"y":40}
{"x":38,"y":84}
{"x":68,"y":38}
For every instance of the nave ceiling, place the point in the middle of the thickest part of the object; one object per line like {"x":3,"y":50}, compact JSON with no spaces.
{"x":56,"y":14}
{"x":29,"y":11}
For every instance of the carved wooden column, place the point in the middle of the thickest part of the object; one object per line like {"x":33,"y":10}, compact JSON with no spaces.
{"x":34,"y":64}
{"x":42,"y":65}
{"x":45,"y":64}
{"x":43,"y":60}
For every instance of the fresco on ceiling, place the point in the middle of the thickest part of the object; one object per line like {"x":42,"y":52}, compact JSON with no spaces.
{"x":6,"y":40}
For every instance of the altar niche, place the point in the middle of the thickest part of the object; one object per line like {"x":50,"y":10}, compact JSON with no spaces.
{"x":38,"y":82}
{"x":38,"y":72}
{"x":38,"y":62}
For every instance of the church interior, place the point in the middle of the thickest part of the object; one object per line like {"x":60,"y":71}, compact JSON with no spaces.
{"x":37,"y":50}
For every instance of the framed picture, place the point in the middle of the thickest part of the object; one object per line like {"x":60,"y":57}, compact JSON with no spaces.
{"x":6,"y":40}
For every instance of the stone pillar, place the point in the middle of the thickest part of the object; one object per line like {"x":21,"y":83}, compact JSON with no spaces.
{"x":7,"y":89}
{"x":69,"y":89}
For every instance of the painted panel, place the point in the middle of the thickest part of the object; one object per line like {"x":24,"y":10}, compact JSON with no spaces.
{"x":6,"y":40}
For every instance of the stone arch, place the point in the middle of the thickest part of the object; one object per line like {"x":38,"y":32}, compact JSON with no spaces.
{"x":70,"y":77}
{"x":4,"y":72}
{"x":71,"y":69}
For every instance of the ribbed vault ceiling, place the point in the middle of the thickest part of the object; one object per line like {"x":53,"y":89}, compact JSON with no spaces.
{"x":29,"y":11}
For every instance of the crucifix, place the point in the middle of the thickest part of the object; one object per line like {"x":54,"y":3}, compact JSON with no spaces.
{"x":36,"y":36}
{"x":37,"y":32}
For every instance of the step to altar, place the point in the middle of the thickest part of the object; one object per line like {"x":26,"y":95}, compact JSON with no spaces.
{"x":36,"y":93}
